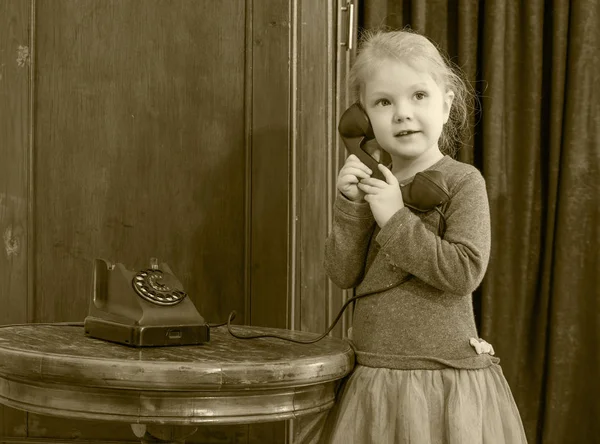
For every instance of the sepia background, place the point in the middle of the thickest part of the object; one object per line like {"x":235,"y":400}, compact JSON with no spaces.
{"x":204,"y":133}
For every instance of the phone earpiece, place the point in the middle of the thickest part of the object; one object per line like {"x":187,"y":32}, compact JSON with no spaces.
{"x":355,"y":123}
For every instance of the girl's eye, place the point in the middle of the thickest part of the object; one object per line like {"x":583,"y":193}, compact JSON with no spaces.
{"x":420,"y":95}
{"x":382,"y":102}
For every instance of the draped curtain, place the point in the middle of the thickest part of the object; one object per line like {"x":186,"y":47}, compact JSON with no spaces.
{"x":536,"y":138}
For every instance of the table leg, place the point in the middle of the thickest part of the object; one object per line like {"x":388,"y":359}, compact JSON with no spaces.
{"x":165,"y":434}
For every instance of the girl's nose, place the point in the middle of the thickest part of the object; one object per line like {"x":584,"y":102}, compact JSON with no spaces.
{"x":401,"y":112}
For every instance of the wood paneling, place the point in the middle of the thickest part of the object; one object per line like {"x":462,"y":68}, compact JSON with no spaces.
{"x":140,"y":147}
{"x":163,"y":128}
{"x":15,"y":123}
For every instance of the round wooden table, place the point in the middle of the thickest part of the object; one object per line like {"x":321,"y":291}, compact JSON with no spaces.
{"x":166,"y":392}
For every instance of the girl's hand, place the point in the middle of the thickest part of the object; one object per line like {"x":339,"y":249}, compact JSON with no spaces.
{"x":350,"y":175}
{"x":384,"y":198}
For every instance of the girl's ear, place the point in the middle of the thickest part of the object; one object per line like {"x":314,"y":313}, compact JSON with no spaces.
{"x":448,"y":99}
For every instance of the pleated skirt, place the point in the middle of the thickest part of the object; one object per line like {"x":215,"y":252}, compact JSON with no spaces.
{"x":448,"y":406}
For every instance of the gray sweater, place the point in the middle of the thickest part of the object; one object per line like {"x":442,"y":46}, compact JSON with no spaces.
{"x":420,"y":315}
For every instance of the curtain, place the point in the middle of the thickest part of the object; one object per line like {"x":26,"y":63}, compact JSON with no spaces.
{"x":536,"y":139}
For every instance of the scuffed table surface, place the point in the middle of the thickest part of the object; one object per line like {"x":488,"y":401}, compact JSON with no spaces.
{"x":57,"y":370}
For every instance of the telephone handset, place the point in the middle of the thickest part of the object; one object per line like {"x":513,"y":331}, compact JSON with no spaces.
{"x":428,"y":189}
{"x":143,"y":308}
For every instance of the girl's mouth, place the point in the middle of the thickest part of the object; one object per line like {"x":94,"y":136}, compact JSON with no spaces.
{"x":405,"y":133}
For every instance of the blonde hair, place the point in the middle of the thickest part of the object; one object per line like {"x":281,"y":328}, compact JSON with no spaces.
{"x":409,"y":47}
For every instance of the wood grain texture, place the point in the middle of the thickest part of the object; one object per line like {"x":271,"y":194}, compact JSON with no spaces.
{"x":141,"y":147}
{"x":61,"y":353}
{"x":315,"y":135}
{"x":270,"y":156}
{"x":15,"y":125}
{"x":14,"y":148}
{"x":57,"y":370}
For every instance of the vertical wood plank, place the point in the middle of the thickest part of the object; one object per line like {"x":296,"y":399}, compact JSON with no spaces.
{"x":321,"y":97}
{"x":270,"y":168}
{"x":14,"y":139}
{"x":248,"y":115}
{"x":15,"y":123}
{"x":315,"y":133}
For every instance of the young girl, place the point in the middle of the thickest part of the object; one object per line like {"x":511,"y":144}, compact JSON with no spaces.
{"x":422,"y":374}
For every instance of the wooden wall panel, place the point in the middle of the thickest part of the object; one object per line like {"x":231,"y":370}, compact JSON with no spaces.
{"x":270,"y":40}
{"x":315,"y":128}
{"x":140,"y":147}
{"x":139,"y":153}
{"x":15,"y":123}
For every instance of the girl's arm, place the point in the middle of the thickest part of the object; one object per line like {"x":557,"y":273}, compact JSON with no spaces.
{"x":348,"y":243}
{"x":456,"y":263}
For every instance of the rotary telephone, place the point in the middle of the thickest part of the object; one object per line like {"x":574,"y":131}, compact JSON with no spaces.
{"x":428,"y":189}
{"x":142,"y":308}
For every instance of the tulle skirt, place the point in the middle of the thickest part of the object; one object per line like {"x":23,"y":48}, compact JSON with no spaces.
{"x":448,"y":406}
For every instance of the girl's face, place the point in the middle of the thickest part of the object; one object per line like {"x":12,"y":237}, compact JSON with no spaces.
{"x":407,"y":110}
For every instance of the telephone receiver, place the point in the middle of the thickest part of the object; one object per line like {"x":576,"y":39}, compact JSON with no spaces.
{"x":428,"y":189}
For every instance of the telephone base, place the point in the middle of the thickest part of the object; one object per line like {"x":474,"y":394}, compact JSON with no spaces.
{"x":146,"y":336}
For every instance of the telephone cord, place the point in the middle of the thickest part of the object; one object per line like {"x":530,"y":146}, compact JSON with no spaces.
{"x":299,"y":341}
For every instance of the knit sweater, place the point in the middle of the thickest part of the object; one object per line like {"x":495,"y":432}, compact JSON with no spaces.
{"x":420,"y":312}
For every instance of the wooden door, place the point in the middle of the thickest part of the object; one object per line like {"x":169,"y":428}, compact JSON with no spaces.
{"x":201,"y":132}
